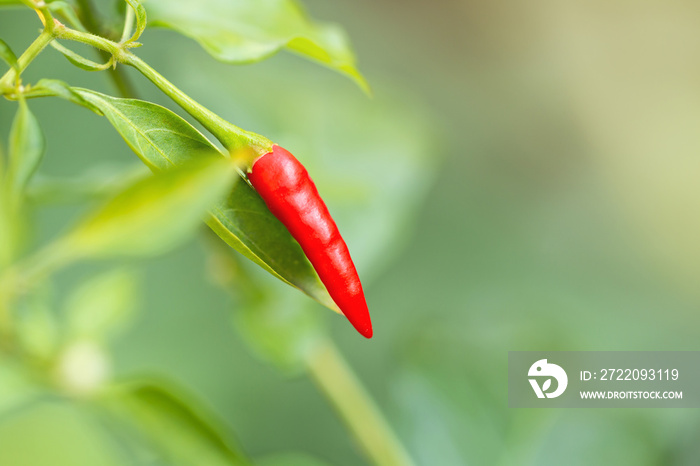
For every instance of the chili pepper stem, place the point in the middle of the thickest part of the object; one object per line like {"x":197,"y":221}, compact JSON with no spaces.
{"x":230,"y":135}
{"x":339,"y":384}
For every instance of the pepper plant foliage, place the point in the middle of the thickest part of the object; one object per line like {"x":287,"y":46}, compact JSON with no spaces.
{"x":193,"y":179}
{"x":162,"y":139}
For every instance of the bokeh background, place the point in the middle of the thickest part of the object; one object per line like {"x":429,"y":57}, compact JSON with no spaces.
{"x":543,"y":160}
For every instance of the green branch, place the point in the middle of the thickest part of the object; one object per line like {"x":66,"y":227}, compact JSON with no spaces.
{"x":337,"y":381}
{"x":230,"y":135}
{"x":92,"y":24}
{"x":26,"y":58}
{"x":128,"y":24}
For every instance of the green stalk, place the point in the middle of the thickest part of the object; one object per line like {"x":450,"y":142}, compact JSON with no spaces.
{"x":337,"y":381}
{"x":92,"y":24}
{"x":128,"y":24}
{"x":111,"y":47}
{"x":27,"y":57}
{"x":230,"y":135}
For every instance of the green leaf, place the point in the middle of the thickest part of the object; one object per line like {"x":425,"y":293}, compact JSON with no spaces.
{"x":182,"y":430}
{"x":98,"y":182}
{"x":164,"y":140}
{"x":102,"y":306}
{"x":7,"y":54}
{"x":80,"y":61}
{"x":140,"y":13}
{"x":154,"y":214}
{"x":160,"y":138}
{"x":245,"y":223}
{"x":57,"y":88}
{"x":243,"y":31}
{"x":27,"y":146}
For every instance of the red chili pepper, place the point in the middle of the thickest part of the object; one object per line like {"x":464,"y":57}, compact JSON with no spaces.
{"x":291,"y":195}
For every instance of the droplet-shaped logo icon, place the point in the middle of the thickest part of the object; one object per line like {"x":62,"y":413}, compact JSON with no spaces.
{"x":542,"y":369}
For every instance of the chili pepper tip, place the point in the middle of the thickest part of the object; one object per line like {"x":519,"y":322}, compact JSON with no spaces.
{"x":366,"y":332}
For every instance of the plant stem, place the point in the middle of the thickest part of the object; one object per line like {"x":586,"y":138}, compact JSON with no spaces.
{"x":128,"y":23}
{"x":120,"y":80}
{"x":230,"y":135}
{"x":27,"y":57}
{"x":337,"y":381}
{"x":100,"y":43}
{"x":92,"y":24}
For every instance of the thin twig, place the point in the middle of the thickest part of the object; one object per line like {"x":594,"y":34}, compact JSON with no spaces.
{"x":336,"y":380}
{"x":128,"y":24}
{"x":118,"y":75}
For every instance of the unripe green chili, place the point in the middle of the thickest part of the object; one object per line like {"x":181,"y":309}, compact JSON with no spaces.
{"x":291,"y":195}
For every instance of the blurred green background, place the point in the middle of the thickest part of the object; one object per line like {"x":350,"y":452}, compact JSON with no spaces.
{"x":553,"y":205}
